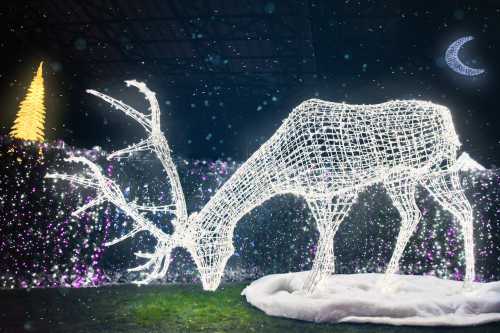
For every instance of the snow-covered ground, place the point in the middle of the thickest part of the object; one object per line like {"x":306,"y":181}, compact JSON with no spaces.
{"x":413,"y":300}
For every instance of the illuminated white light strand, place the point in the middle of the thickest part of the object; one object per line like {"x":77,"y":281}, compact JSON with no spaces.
{"x":325,"y":152}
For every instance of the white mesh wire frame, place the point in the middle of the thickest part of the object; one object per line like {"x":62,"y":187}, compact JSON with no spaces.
{"x":325,"y":152}
{"x":328,"y":152}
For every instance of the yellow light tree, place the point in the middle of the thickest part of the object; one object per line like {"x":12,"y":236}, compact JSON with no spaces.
{"x":30,"y":119}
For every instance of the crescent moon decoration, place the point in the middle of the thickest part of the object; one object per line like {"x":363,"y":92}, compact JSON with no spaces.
{"x":452,"y":59}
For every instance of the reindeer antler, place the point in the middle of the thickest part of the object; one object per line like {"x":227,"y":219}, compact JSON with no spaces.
{"x":155,"y":142}
{"x":108,"y":190}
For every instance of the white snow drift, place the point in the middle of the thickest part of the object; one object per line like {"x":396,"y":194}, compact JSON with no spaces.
{"x":413,"y":300}
{"x":467,"y":163}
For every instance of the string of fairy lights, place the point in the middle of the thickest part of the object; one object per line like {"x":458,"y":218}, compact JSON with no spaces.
{"x":42,"y":245}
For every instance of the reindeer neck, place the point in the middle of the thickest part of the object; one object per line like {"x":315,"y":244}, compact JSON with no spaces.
{"x":247,"y":188}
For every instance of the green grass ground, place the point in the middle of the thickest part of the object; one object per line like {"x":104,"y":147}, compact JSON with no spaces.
{"x":173,"y":308}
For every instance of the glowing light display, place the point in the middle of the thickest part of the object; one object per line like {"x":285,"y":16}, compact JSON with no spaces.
{"x":329,"y":152}
{"x":30,"y":121}
{"x":108,"y":190}
{"x":325,"y":152}
{"x":42,"y":246}
{"x":452,"y":59}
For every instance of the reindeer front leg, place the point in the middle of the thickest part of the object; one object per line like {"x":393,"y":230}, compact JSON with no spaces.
{"x":329,"y":213}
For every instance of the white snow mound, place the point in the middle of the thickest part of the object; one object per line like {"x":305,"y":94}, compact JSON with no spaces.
{"x":412,"y":300}
{"x":467,"y":163}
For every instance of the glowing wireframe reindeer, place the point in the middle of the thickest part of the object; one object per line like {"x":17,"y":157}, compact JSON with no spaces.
{"x":325,"y":152}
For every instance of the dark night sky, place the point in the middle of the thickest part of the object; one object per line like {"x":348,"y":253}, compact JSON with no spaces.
{"x":363,"y":52}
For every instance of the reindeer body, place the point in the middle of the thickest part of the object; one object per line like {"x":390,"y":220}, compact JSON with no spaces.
{"x":329,"y":147}
{"x":327,"y":153}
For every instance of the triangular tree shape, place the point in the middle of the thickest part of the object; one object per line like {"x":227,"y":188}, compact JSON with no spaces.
{"x":30,"y":120}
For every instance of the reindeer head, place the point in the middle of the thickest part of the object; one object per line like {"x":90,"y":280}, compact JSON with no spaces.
{"x":209,"y":250}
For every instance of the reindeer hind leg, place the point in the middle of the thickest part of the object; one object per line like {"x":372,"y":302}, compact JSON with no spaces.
{"x":402,"y":193}
{"x":447,"y":191}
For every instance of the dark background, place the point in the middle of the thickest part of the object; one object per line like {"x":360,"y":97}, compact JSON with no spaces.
{"x":228,"y":72}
